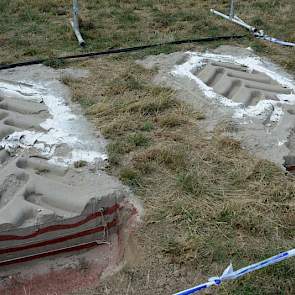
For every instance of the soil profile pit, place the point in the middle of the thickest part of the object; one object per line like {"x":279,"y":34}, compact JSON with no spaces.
{"x":234,"y":86}
{"x":48,"y":207}
{"x":239,"y":84}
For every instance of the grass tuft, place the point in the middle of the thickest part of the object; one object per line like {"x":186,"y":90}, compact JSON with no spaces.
{"x":138,"y":139}
{"x":79,"y":164}
{"x":55,"y":63}
{"x":129,"y":176}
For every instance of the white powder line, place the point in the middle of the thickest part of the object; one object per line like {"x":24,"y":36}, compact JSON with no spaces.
{"x":262,"y":108}
{"x":19,"y":90}
{"x":63,"y":127}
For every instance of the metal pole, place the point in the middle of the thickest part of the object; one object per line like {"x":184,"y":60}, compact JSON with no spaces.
{"x":257,"y":33}
{"x":232,"y":9}
{"x":75,"y":23}
{"x":236,"y":20}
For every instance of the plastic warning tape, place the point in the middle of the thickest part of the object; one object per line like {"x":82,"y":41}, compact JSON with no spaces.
{"x":230,"y":274}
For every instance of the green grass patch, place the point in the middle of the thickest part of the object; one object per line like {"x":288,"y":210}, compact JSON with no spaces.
{"x":31,"y":29}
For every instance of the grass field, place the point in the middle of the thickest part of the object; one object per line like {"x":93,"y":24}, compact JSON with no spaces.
{"x":39,"y":28}
{"x":207,"y":201}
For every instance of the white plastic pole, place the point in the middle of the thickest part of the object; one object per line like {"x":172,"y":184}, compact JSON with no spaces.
{"x":232,"y":9}
{"x":75,"y":23}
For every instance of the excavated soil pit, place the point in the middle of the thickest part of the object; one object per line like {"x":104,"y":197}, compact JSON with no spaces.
{"x":55,"y":219}
{"x":232,"y":86}
{"x":241,"y":84}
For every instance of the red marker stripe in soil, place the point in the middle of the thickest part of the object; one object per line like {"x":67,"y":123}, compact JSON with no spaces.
{"x":55,"y":252}
{"x":61,"y":239}
{"x":107,"y":211}
{"x":290,"y":168}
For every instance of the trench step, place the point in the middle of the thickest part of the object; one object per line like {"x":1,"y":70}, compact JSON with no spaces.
{"x":239,"y":84}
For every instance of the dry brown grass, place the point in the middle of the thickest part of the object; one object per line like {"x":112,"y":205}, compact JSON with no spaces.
{"x":206,"y":200}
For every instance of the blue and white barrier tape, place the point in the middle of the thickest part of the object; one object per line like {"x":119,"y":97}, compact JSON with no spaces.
{"x":260,"y":35}
{"x":278,"y":41}
{"x":230,"y":274}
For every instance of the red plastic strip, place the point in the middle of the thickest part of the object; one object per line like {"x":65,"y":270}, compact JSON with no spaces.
{"x":107,"y":211}
{"x":61,"y":239}
{"x":55,"y":252}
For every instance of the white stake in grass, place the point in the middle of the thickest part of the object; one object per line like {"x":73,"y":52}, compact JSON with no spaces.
{"x":75,"y":23}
